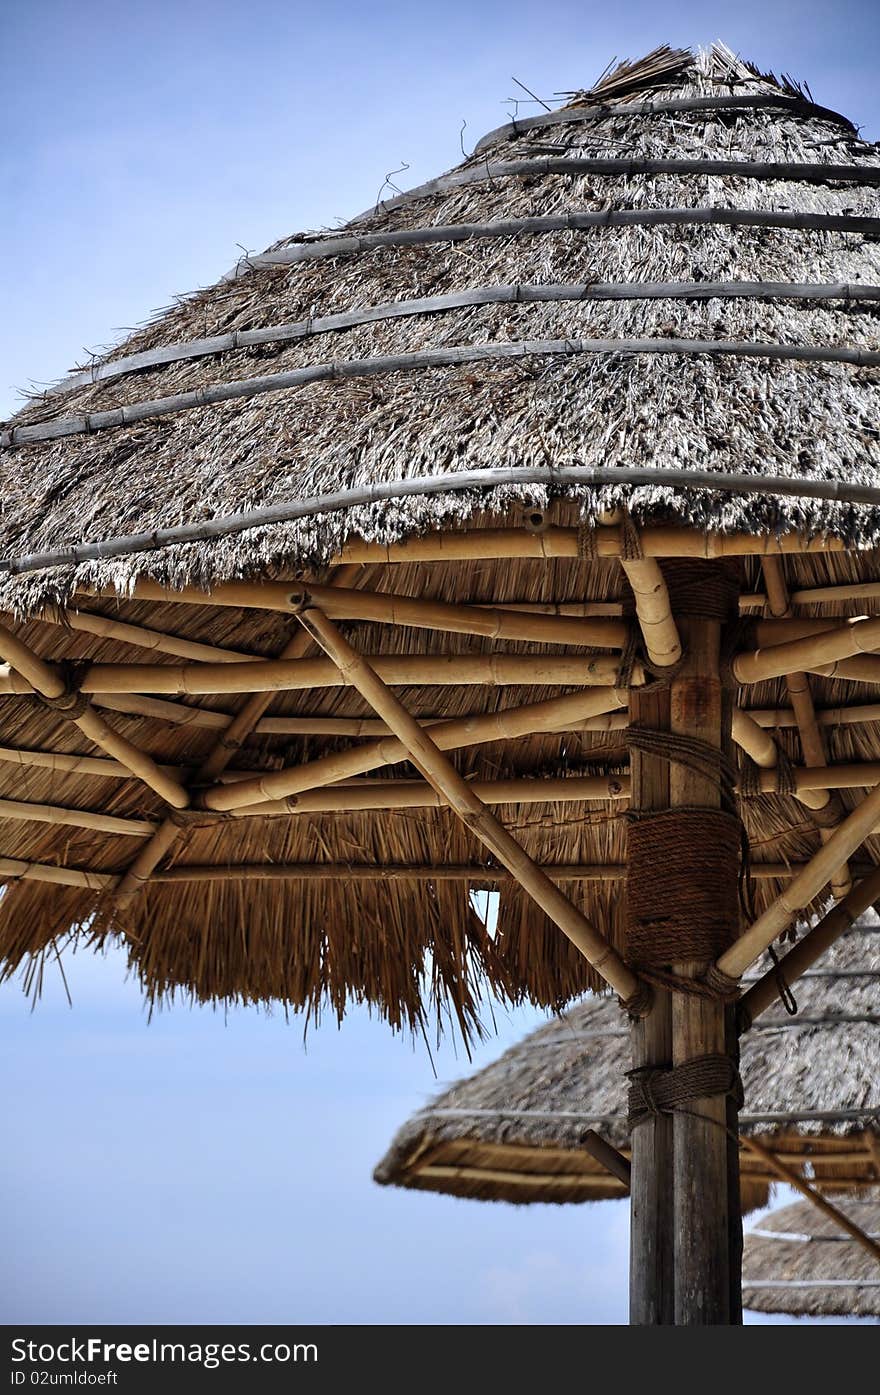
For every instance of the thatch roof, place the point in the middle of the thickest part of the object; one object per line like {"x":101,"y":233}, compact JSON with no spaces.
{"x":797,"y":1261}
{"x":514,"y":1130}
{"x":678,"y":271}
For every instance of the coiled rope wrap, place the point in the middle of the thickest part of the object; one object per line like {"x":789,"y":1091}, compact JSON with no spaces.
{"x":657,"y":1090}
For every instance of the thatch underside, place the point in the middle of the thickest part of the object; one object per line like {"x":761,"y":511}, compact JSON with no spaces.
{"x":515,"y":1130}
{"x":797,"y":1261}
{"x":320,"y":943}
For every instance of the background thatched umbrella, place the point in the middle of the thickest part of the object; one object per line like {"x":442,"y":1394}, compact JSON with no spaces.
{"x":797,"y":1261}
{"x":514,"y":1131}
{"x":639,"y":328}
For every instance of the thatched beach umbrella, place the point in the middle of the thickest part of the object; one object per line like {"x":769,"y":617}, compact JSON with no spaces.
{"x":797,"y":1261}
{"x":524,"y":1128}
{"x":560,"y":438}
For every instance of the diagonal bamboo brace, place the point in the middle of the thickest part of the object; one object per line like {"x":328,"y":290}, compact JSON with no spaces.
{"x":805,"y":886}
{"x":455,"y":791}
{"x":813,"y":945}
{"x":45,"y":680}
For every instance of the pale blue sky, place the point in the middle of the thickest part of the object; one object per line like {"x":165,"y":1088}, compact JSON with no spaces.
{"x":196,"y":1168}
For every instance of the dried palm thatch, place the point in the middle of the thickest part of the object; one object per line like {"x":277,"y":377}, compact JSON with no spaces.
{"x":797,"y":1261}
{"x":675,"y":274}
{"x":515,"y":1130}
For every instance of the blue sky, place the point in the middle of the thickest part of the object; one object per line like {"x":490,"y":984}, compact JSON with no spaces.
{"x":196,"y":1168}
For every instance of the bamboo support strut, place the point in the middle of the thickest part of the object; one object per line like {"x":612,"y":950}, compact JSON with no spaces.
{"x":852,"y":714}
{"x":786,"y":1174}
{"x":75,"y":818}
{"x":464,"y":802}
{"x":106,"y":627}
{"x":290,"y":675}
{"x":806,"y":885}
{"x":553,"y":715}
{"x":493,"y":622}
{"x":653,"y":611}
{"x":43,"y":678}
{"x":756,"y":742}
{"x":813,"y":945}
{"x":358,"y":795}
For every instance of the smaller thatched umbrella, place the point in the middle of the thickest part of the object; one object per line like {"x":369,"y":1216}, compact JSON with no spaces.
{"x":797,"y":1261}
{"x":521,"y":1129}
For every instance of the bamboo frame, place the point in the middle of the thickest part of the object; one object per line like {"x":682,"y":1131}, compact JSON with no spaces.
{"x":855,"y":714}
{"x":806,"y":885}
{"x":467,"y":805}
{"x":509,"y":723}
{"x":41,"y":677}
{"x":291,"y":675}
{"x":756,"y":742}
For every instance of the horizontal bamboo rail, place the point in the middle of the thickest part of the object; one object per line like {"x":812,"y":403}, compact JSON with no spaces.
{"x":74,"y":818}
{"x":289,"y":675}
{"x":811,"y":947}
{"x":852,"y":714}
{"x":830,"y":646}
{"x":359,"y":795}
{"x":14,"y":870}
{"x":588,"y":167}
{"x":566,"y":116}
{"x":37,"y":675}
{"x":552,"y":715}
{"x":492,"y":622}
{"x":546,"y":292}
{"x":575,"y":221}
{"x":450,"y":356}
{"x":848,"y":836}
{"x":863,"y":668}
{"x":465,"y":802}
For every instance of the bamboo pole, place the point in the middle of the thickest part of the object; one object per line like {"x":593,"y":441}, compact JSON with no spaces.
{"x":464,"y":802}
{"x":357,"y":795}
{"x":508,"y":724}
{"x":786,"y":1174}
{"x":706,"y":1189}
{"x":235,"y":733}
{"x":105,"y":627}
{"x":804,"y":887}
{"x":654,"y":611}
{"x":812,"y":744}
{"x":652,"y":1261}
{"x":14,"y":870}
{"x":853,"y":714}
{"x":75,"y":818}
{"x":756,"y":742}
{"x":289,"y":675}
{"x":811,"y":948}
{"x":341,"y":603}
{"x":829,"y":647}
{"x":44,"y":678}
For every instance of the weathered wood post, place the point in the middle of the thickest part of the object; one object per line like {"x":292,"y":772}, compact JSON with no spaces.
{"x":652,"y":1291}
{"x":682,"y":900}
{"x":705,"y":1156}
